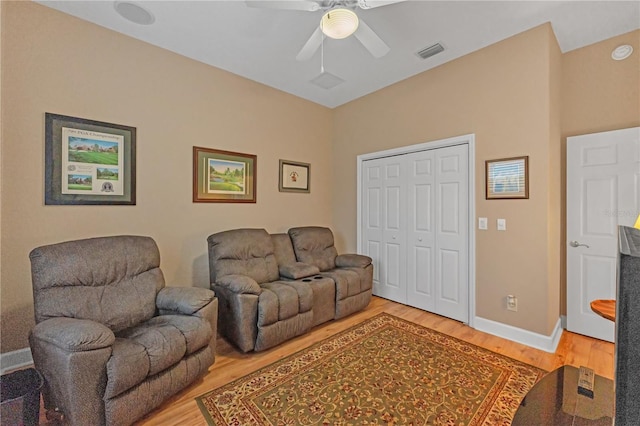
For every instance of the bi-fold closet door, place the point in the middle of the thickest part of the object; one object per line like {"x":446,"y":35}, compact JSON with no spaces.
{"x":415,"y":227}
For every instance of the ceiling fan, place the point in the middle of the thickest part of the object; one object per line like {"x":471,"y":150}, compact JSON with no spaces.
{"x":338,"y":21}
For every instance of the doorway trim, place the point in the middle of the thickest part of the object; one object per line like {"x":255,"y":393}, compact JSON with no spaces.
{"x":470,"y":141}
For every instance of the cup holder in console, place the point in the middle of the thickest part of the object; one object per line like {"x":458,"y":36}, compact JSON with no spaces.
{"x":318,"y":277}
{"x":306,"y":280}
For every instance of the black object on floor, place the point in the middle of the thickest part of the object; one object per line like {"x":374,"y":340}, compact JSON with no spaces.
{"x":556,"y":400}
{"x":20,"y":397}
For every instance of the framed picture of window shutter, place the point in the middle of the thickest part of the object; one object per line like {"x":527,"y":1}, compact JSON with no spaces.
{"x":294,"y":176}
{"x":507,"y":178}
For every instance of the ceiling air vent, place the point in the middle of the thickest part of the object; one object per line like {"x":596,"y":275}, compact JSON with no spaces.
{"x":326,"y":80}
{"x":428,"y":52}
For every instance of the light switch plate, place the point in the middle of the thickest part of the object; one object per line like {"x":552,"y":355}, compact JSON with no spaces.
{"x":502,"y":224}
{"x":483,"y":223}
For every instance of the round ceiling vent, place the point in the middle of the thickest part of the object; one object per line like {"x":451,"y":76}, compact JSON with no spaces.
{"x":621,"y":52}
{"x":134,"y":13}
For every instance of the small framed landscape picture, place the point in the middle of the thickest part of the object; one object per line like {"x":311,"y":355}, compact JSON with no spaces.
{"x":223,"y":176}
{"x":294,"y":176}
{"x":507,"y":178}
{"x":89,"y":162}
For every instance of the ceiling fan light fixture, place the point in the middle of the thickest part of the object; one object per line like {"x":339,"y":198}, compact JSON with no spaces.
{"x":339,"y":23}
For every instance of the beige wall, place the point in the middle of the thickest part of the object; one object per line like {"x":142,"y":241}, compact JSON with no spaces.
{"x":503,"y":94}
{"x":55,"y":63}
{"x":598,"y":94}
{"x":554,"y":206}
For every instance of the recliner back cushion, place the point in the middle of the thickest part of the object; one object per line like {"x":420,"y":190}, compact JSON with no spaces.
{"x":247,"y":252}
{"x":314,"y":245}
{"x":283,"y":249}
{"x":110,"y":280}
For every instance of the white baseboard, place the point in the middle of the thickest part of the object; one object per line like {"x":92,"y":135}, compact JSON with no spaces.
{"x":520,"y":335}
{"x":15,"y":359}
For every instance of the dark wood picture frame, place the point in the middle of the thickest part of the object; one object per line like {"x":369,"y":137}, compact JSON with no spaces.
{"x":223,"y":176}
{"x":294,"y":176}
{"x":507,"y":178}
{"x":89,"y":162}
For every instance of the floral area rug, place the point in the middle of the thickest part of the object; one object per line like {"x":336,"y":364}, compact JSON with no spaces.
{"x":383,"y":371}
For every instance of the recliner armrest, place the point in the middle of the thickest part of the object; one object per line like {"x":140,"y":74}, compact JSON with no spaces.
{"x":240,"y":284}
{"x":352,"y":261}
{"x":298,"y":270}
{"x":183,"y":300}
{"x":74,"y":335}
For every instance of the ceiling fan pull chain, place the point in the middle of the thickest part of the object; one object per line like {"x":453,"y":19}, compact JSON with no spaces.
{"x":322,"y":55}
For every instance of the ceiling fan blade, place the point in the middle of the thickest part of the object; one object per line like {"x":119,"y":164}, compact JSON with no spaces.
{"x":370,"y":4}
{"x":306,"y":5}
{"x":311,"y":45}
{"x":371,"y":41}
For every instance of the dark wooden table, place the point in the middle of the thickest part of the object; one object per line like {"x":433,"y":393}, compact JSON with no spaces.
{"x":555,"y":400}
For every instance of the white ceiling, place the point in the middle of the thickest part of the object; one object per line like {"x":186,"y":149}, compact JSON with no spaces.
{"x":261,"y":44}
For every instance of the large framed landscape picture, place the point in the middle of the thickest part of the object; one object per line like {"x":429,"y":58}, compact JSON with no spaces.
{"x":223,"y":176}
{"x":89,"y":162}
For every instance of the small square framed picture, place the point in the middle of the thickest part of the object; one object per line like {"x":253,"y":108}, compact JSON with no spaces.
{"x":294,"y":176}
{"x":507,"y":178}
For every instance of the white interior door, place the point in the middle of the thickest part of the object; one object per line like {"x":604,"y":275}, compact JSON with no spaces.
{"x":603,"y":191}
{"x":383,"y":225}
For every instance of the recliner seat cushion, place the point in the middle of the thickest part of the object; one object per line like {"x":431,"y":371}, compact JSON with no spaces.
{"x":282,"y":300}
{"x":348,"y":282}
{"x":196,"y":331}
{"x":128,"y":366}
{"x":165,"y":345}
{"x":153,"y":346}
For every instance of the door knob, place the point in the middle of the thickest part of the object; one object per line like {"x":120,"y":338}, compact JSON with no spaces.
{"x":577,"y":244}
{"x":393,"y":237}
{"x":419,"y":239}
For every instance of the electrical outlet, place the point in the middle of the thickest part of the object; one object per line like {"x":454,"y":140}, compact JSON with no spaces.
{"x":501,"y":224}
{"x":482,"y":223}
{"x":512,"y":303}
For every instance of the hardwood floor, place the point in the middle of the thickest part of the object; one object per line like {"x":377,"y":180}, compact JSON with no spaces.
{"x":574,"y":349}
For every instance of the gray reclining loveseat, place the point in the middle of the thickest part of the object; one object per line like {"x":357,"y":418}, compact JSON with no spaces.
{"x":275,"y":287}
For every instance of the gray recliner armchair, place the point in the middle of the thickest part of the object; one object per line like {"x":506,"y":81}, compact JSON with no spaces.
{"x":111,"y":341}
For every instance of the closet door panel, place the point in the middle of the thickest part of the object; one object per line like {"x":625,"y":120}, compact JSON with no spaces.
{"x":383,"y":233}
{"x":394,"y":229}
{"x":420,"y":233}
{"x":452,"y":284}
{"x":372,"y":218}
